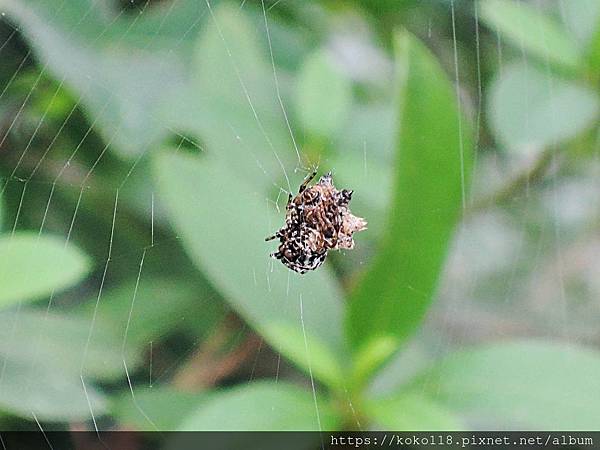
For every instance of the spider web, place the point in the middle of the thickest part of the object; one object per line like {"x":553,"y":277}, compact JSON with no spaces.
{"x":496,"y":259}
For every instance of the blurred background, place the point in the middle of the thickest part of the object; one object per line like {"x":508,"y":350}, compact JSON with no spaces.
{"x":147,"y":148}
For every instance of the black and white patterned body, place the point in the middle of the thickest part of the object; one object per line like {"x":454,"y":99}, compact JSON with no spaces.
{"x":317,"y":220}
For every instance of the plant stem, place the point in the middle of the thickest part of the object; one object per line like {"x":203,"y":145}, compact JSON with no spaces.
{"x":520,"y":181}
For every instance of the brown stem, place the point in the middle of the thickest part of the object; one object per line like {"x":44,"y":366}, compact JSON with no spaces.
{"x":206,"y":367}
{"x":519,"y":182}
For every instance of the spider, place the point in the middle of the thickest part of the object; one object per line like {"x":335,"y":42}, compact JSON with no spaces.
{"x":317,"y":220}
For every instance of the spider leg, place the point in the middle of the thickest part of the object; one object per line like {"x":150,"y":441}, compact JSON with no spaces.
{"x":289,"y":200}
{"x":275,"y":236}
{"x":307,"y":180}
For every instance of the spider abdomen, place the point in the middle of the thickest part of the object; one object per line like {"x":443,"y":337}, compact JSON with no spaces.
{"x":317,"y":220}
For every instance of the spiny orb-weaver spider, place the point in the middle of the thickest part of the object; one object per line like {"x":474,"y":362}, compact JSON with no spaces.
{"x":317,"y":220}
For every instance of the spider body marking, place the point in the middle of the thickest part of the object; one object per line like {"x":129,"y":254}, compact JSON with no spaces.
{"x":318,"y":219}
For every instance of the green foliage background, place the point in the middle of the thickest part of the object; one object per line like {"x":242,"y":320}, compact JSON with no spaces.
{"x":145,"y":152}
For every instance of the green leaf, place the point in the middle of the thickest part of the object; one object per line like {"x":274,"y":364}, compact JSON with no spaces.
{"x":124,"y":68}
{"x":413,"y":359}
{"x":529,"y":110}
{"x":390,"y":302}
{"x":370,"y":128}
{"x":160,"y":305}
{"x":231,"y":103}
{"x":262,"y":406}
{"x":2,"y":213}
{"x":593,"y":54}
{"x":160,"y":408}
{"x":49,"y":393}
{"x":526,"y":27}
{"x":157,"y":27}
{"x":582,"y":18}
{"x":410,"y":412}
{"x":33,"y":267}
{"x":526,"y":385}
{"x":59,"y":341}
{"x":323,"y":95}
{"x":223,"y":223}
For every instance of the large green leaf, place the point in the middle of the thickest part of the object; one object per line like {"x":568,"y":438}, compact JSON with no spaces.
{"x":527,"y":385}
{"x":433,"y":165}
{"x":2,"y":213}
{"x":410,"y":412}
{"x":262,"y":406}
{"x":158,"y":306}
{"x":323,"y":95}
{"x":370,"y":129}
{"x":44,"y":357}
{"x":593,"y":54}
{"x":150,"y":409}
{"x":51,"y":394}
{"x":528,"y":28}
{"x":231,"y":103}
{"x":59,"y":341}
{"x":124,"y":67}
{"x":582,"y":19}
{"x":529,"y":109}
{"x":223,"y":223}
{"x":33,"y":267}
